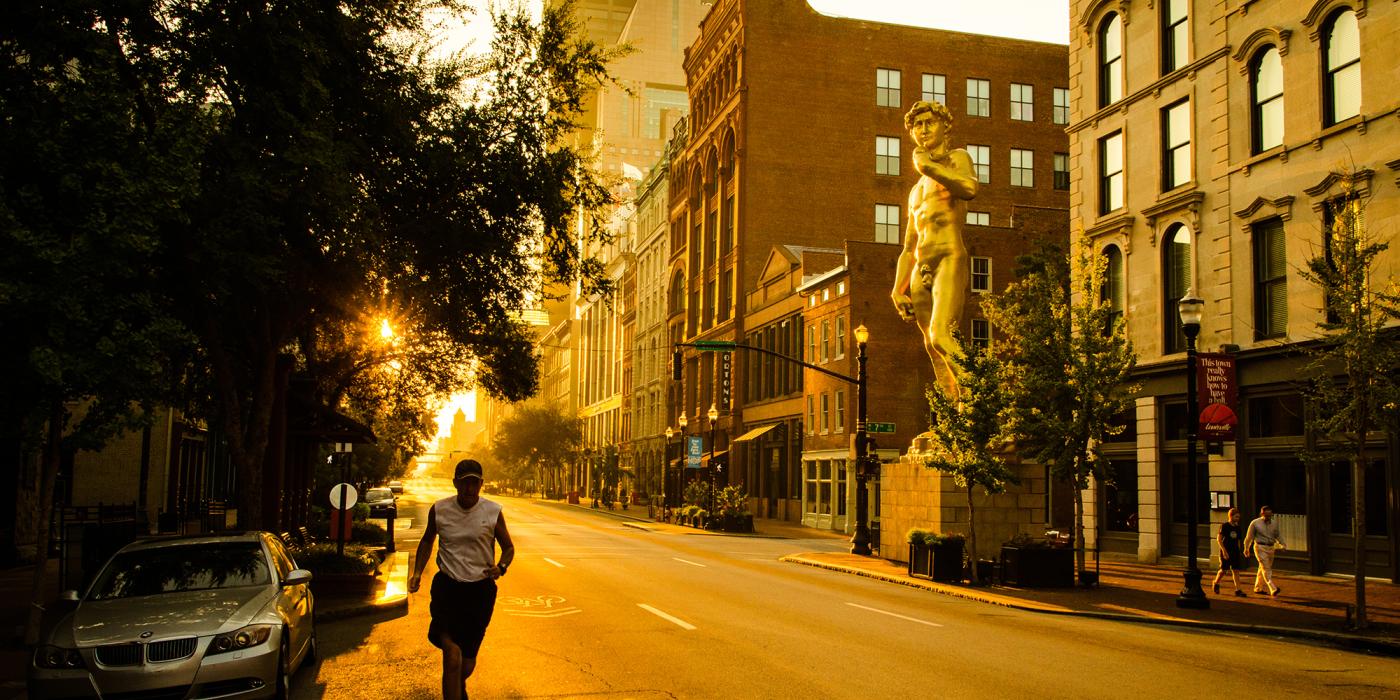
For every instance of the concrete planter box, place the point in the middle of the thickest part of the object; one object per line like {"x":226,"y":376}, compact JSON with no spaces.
{"x":1037,"y":567}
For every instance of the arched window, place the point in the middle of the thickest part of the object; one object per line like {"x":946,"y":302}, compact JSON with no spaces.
{"x":1112,"y":291}
{"x":1341,"y":57}
{"x":1110,"y":60}
{"x":1266,"y":97}
{"x":1176,"y":279}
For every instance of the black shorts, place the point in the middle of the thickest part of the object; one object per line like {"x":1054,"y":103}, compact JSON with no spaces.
{"x":1236,"y":562}
{"x":462,"y":610}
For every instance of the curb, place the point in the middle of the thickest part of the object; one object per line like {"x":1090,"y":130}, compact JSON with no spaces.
{"x":1384,"y":647}
{"x":701,"y":533}
{"x":402,"y":563}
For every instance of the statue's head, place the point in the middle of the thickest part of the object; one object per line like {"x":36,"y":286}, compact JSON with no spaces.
{"x":938,"y":111}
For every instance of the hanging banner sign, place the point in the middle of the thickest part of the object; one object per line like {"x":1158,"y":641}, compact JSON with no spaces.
{"x":1217,"y":391}
{"x":726,"y":374}
{"x":694,"y":450}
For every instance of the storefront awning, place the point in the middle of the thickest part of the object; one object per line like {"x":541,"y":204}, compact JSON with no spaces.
{"x":756,"y":433}
{"x":721,"y":457}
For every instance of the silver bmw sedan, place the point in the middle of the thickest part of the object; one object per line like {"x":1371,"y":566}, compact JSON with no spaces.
{"x":210,"y":616}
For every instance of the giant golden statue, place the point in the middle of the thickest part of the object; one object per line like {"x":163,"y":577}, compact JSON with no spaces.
{"x":931,"y":281}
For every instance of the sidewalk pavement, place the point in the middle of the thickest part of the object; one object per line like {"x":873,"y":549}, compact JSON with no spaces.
{"x":1308,"y":607}
{"x":390,"y":593}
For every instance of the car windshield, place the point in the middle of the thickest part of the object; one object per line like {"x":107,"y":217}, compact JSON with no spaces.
{"x":378,"y":495}
{"x":186,"y":567}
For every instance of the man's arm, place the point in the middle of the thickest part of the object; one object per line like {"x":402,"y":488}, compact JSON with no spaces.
{"x":956,"y":172}
{"x":507,"y":548}
{"x":425,"y":550}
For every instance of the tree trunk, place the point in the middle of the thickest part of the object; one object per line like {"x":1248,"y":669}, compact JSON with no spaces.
{"x":1078,"y":523}
{"x":971,"y":532}
{"x":1358,"y":517}
{"x":43,"y":515}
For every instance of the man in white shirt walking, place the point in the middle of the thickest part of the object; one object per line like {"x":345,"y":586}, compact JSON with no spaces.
{"x":464,"y":589}
{"x":1262,"y":539}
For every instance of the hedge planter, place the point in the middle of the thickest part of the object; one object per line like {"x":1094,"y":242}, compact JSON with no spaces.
{"x":1037,"y":567}
{"x":920,"y":560}
{"x":946,"y":563}
{"x":343,"y":585}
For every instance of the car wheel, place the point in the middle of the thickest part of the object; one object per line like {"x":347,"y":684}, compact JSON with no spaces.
{"x":284,"y":675}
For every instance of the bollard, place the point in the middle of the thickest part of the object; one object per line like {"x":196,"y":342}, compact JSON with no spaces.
{"x":389,"y":546}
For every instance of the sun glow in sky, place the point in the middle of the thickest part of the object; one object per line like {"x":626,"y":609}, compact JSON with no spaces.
{"x":1036,"y":20}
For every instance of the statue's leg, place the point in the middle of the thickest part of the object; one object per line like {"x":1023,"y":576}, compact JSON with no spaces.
{"x":949,"y":296}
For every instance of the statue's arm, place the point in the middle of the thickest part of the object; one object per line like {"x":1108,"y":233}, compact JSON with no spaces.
{"x":905,"y":265}
{"x":955,"y":173}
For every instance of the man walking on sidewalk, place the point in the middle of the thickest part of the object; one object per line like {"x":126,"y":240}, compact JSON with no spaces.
{"x":464,"y":589}
{"x":1263,"y":540}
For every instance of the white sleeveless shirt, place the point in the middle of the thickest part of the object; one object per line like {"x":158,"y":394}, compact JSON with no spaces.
{"x":466,"y":538}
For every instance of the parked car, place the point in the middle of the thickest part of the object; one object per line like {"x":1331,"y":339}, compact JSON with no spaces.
{"x":382,"y":502}
{"x":227,"y":615}
{"x":396,"y":487}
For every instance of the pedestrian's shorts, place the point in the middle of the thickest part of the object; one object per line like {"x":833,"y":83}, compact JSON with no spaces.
{"x":462,"y":611}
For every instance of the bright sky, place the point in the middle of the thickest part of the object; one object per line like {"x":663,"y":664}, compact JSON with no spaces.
{"x":1037,"y":20}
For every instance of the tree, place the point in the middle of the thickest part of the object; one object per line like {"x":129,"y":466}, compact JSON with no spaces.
{"x":968,"y":432}
{"x":538,"y":439}
{"x":314,"y":158}
{"x":1353,"y":384}
{"x":1067,"y":360}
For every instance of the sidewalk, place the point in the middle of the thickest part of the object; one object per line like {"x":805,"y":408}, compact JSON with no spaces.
{"x":636,"y":517}
{"x":1309,"y":607}
{"x":390,"y":593}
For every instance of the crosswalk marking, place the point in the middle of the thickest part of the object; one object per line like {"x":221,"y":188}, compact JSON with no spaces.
{"x":902,"y":617}
{"x":685,"y":561}
{"x":669,"y":618}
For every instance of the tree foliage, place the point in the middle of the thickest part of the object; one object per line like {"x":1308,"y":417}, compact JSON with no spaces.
{"x":537,"y":441}
{"x":1067,"y":364}
{"x":1353,"y":383}
{"x":968,"y":433}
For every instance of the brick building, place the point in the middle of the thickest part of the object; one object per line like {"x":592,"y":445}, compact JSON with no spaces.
{"x":1210,"y":139}
{"x":783,"y":151}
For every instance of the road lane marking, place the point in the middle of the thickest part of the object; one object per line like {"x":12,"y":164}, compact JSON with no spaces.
{"x":902,"y":617}
{"x":544,"y":613}
{"x":554,"y":562}
{"x":670,"y":618}
{"x":683,"y":561}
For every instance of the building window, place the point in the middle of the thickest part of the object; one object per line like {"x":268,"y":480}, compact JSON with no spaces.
{"x":1022,"y":168}
{"x":812,"y":341}
{"x":1266,"y":96}
{"x":811,"y":414}
{"x":1176,"y":279}
{"x":1111,"y":172}
{"x":1112,"y":293}
{"x":1342,"y":57}
{"x":979,"y":218}
{"x":981,"y":162}
{"x":708,"y":315}
{"x":981,"y":333}
{"x":826,"y":413}
{"x":840,"y":410}
{"x":826,"y":340}
{"x":1060,"y":113}
{"x":1110,"y":60}
{"x":886,"y":223}
{"x":981,"y":274}
{"x":1061,"y":165}
{"x":841,"y":487}
{"x":1174,"y":35}
{"x":935,"y":89}
{"x":979,"y":97}
{"x":1022,"y":102}
{"x":887,"y":87}
{"x":1121,"y":497}
{"x":840,"y":336}
{"x":1270,"y":280}
{"x":886,"y":155}
{"x":726,"y":295}
{"x":1176,"y":145}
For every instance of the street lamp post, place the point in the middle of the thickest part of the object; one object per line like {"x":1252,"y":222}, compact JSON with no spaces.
{"x":713,"y":415}
{"x":683,"y":422}
{"x":860,"y":541}
{"x":1192,"y":596}
{"x":666,"y":469}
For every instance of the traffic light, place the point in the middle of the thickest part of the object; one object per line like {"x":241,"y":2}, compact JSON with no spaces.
{"x":676,"y":365}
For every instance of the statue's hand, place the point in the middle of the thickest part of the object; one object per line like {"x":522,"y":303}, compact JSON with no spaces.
{"x":903,"y":304}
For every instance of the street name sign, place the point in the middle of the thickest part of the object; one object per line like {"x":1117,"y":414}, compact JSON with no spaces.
{"x":713,"y":345}
{"x":873,"y":427}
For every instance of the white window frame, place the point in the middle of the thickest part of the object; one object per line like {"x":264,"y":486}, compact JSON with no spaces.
{"x":1022,"y":102}
{"x":981,"y":274}
{"x":1022,"y":167}
{"x":1060,"y":113}
{"x":887,"y":230}
{"x":979,"y":97}
{"x":934,"y":88}
{"x":981,"y":161}
{"x":886,"y":155}
{"x":887,"y":83}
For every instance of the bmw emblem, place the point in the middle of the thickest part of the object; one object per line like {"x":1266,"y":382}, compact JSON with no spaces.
{"x":146,"y":635}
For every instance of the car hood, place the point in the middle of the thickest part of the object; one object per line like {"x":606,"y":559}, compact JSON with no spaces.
{"x":198,"y":613}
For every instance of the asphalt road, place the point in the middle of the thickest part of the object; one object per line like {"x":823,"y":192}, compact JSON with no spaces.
{"x":593,"y":608}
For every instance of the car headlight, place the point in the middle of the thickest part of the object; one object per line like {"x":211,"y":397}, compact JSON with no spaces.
{"x":48,"y":656}
{"x":239,"y":639}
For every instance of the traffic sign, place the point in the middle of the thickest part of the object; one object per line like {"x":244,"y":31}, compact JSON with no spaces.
{"x":713,"y":345}
{"x":873,"y":427}
{"x":351,"y":496}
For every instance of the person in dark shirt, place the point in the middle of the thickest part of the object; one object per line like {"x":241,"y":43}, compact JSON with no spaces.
{"x":1231,"y":555}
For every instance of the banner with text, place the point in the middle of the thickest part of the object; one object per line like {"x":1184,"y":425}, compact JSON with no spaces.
{"x":1217,"y":392}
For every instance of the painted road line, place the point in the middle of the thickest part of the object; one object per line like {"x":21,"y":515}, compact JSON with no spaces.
{"x":554,"y":562}
{"x":544,"y":613}
{"x":684,"y":561}
{"x":902,"y":617}
{"x":671,"y":618}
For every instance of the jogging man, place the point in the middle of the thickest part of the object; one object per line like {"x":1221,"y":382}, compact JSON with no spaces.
{"x":464,"y":589}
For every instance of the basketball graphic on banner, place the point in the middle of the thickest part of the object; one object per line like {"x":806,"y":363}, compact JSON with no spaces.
{"x":1218,"y":422}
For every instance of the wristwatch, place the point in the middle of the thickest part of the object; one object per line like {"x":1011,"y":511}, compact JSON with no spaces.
{"x":502,"y":567}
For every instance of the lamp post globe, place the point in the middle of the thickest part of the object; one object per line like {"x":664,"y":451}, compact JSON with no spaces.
{"x":1190,"y":309}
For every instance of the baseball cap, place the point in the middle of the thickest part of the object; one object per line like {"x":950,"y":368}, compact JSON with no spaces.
{"x":467,"y":469}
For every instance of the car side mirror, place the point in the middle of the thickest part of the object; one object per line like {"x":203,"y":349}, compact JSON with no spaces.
{"x":296,"y":577}
{"x":69,"y":596}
